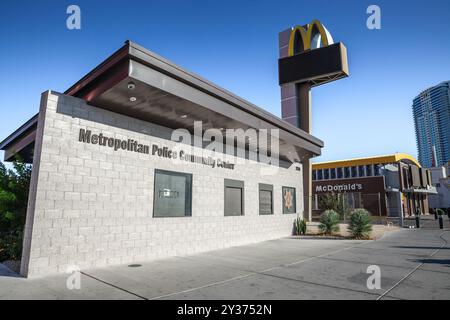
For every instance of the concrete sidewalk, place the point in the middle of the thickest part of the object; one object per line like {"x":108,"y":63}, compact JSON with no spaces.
{"x":414,"y":265}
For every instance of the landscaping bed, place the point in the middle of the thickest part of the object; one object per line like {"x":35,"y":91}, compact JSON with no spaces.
{"x":378,"y":231}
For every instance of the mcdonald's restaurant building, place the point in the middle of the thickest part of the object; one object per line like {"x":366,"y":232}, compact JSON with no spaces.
{"x":110,"y":186}
{"x":391,"y":186}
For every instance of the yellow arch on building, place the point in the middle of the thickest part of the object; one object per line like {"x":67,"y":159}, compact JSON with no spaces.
{"x":306,"y":36}
{"x":392,"y":158}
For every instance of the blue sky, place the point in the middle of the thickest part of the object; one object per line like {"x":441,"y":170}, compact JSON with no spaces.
{"x":235,"y":45}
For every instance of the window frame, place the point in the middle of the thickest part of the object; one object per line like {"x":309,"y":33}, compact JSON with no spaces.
{"x":326,"y":174}
{"x":319,"y":174}
{"x":333,"y":173}
{"x":237,"y":184}
{"x":188,"y":186}
{"x":361,"y":171}
{"x":265,"y":187}
{"x":354,"y":172}
{"x":347,"y":173}
{"x":339,"y":173}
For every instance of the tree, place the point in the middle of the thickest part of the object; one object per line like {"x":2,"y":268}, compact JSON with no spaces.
{"x":14,"y":188}
{"x":329,"y":201}
{"x":334,"y":201}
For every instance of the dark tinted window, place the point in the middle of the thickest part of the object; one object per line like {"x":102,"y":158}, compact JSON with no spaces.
{"x":265,"y":199}
{"x":376,"y":170}
{"x":333,"y":173}
{"x":346,"y":172}
{"x":361,"y":171}
{"x":234,"y":197}
{"x":354,"y":172}
{"x":172,"y":194}
{"x":319,"y":174}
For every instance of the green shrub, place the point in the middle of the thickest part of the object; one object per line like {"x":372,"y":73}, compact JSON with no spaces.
{"x":14,"y":186}
{"x":329,"y":221}
{"x":300,"y":226}
{"x":360,"y":226}
{"x":11,"y":245}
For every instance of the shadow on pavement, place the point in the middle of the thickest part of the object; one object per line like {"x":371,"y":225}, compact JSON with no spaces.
{"x":434,"y":261}
{"x":415,"y":247}
{"x":6,"y":272}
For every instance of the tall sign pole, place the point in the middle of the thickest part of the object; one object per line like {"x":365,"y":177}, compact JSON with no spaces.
{"x":308,"y":57}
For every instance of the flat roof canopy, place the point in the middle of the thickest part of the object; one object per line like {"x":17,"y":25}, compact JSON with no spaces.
{"x":170,"y":96}
{"x":21,"y":142}
{"x":391,"y":158}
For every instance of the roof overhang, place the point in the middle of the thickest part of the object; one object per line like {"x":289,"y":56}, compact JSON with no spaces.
{"x":431,"y":190}
{"x":21,"y":142}
{"x":386,"y":159}
{"x":170,"y":96}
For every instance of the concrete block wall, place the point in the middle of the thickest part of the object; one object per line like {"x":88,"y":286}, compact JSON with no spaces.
{"x":91,"y":206}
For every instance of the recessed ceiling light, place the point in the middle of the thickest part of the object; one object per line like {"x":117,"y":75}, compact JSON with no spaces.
{"x":131,"y":85}
{"x":133,"y":99}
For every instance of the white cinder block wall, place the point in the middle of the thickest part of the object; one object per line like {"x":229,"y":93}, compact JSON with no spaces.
{"x":91,"y":206}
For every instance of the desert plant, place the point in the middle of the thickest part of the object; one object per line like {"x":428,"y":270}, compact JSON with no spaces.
{"x":329,"y":220}
{"x":360,"y":226}
{"x":300,"y":226}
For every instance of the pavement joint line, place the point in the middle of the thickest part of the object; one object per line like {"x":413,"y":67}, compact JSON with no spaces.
{"x":253,"y":273}
{"x":383,"y":264}
{"x":305,"y":259}
{"x":414,"y":269}
{"x":313,"y":257}
{"x":202,"y":287}
{"x":113,"y":285}
{"x":317,"y":284}
{"x":397,"y":251}
{"x":379,"y":264}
